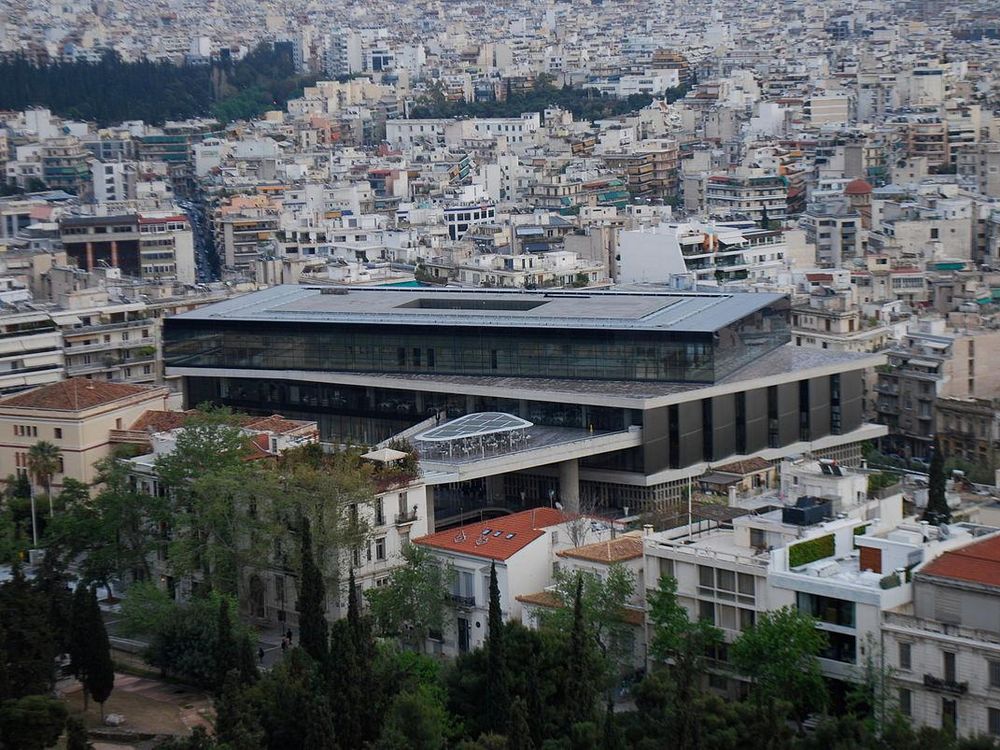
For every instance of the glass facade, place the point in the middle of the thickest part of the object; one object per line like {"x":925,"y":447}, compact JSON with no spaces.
{"x":369,"y":415}
{"x":584,"y":353}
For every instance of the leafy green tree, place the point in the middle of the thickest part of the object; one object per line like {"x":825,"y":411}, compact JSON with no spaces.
{"x":52,"y":582}
{"x":33,"y":722}
{"x":937,"y":511}
{"x":497,"y":691}
{"x":779,"y":655}
{"x":681,"y":645}
{"x":111,"y":532}
{"x":43,"y":462}
{"x":312,"y":601}
{"x":603,"y":601}
{"x":199,"y":739}
{"x":286,"y":697}
{"x":417,"y":720}
{"x":412,"y":603}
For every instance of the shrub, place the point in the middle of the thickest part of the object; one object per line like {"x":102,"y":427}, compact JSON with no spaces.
{"x":811,"y":550}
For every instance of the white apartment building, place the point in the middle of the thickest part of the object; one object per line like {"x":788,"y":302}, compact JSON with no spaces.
{"x":944,"y":647}
{"x":521,"y":545}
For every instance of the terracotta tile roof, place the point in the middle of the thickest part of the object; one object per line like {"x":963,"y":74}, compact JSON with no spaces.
{"x":746,"y":466}
{"x":550,"y":600}
{"x":276,"y":424}
{"x":516,"y":532}
{"x":978,"y":562}
{"x":612,"y":551}
{"x":75,"y":394}
{"x":156,"y":420}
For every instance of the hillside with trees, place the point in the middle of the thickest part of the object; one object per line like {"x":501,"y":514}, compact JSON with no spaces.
{"x":112,"y":90}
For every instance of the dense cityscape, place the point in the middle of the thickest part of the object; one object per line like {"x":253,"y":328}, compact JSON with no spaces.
{"x":575,"y":375}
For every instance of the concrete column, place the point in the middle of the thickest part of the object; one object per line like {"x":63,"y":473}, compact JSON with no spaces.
{"x":114,"y":253}
{"x":430,"y":509}
{"x":569,"y":485}
{"x":90,"y":256}
{"x":494,"y":489}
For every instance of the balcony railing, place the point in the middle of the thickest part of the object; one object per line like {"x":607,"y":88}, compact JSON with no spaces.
{"x":951,"y":687}
{"x":462,"y":601}
{"x":406,"y":517}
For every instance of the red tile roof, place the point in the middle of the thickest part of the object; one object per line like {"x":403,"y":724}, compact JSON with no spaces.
{"x":155,"y":420}
{"x":522,"y":529}
{"x":746,"y":466}
{"x":978,"y":562}
{"x":75,"y":394}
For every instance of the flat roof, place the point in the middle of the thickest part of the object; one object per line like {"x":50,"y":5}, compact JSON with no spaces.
{"x":642,"y":311}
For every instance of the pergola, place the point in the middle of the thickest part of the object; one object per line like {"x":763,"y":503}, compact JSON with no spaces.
{"x":478,"y":433}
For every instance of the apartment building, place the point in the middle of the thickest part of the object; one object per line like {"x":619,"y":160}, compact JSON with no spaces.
{"x":969,"y":428}
{"x":828,"y":318}
{"x":112,"y":342}
{"x":931,"y":362}
{"x":944,"y":649}
{"x":244,"y":227}
{"x":834,"y":229}
{"x":754,"y":196}
{"x":77,"y":416}
{"x":65,"y":164}
{"x":980,"y":162}
{"x":522,"y":546}
{"x":31,"y":350}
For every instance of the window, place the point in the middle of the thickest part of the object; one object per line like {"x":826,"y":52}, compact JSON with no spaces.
{"x":905,"y":702}
{"x":747,"y":619}
{"x":993,"y":721}
{"x":706,"y":576}
{"x":949,"y":665}
{"x":58,"y":433}
{"x":380,"y":548}
{"x":949,"y":714}
{"x":905,"y":656}
{"x":994,"y":672}
{"x":666,"y":567}
{"x":706,"y":611}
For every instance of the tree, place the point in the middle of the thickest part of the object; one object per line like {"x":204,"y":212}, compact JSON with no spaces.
{"x":76,"y":735}
{"x":412,"y":603}
{"x":29,"y":644}
{"x":682,"y":645}
{"x":312,"y":601}
{"x":416,"y":720}
{"x":604,"y":603}
{"x":226,"y":647}
{"x":778,"y":654}
{"x":44,"y":461}
{"x":497,"y":693}
{"x":236,"y":717}
{"x":580,"y":690}
{"x":97,"y":671}
{"x":79,"y":645}
{"x":33,"y":722}
{"x":937,"y":511}
{"x":111,"y":532}
{"x":519,"y":730}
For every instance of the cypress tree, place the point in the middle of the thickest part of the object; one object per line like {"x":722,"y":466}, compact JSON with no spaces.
{"x":535,"y":704}
{"x":236,"y":718}
{"x":578,"y":691}
{"x":79,"y":645}
{"x":101,"y":669}
{"x":227,"y":656}
{"x":4,"y":672}
{"x":937,"y":511}
{"x":312,"y":602}
{"x":497,"y":691}
{"x":28,"y":644}
{"x":247,"y":662}
{"x":344,"y":680}
{"x":519,"y":733}
{"x":364,"y":653}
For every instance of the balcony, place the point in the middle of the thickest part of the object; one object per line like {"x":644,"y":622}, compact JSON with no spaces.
{"x":950,"y":687}
{"x":462,"y":601}
{"x":406,"y":517}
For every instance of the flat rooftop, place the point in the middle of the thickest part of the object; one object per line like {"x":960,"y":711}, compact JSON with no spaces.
{"x":640,"y":311}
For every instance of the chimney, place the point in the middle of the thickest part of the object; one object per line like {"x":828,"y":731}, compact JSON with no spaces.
{"x":732,"y":495}
{"x":647,"y":530}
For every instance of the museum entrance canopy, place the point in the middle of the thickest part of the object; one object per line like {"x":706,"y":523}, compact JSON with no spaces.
{"x":481,"y":432}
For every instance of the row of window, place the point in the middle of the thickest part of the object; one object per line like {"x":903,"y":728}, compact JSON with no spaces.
{"x":949,"y":712}
{"x":948,"y":663}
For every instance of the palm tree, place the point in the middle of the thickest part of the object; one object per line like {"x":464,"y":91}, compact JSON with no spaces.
{"x":43,"y":462}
